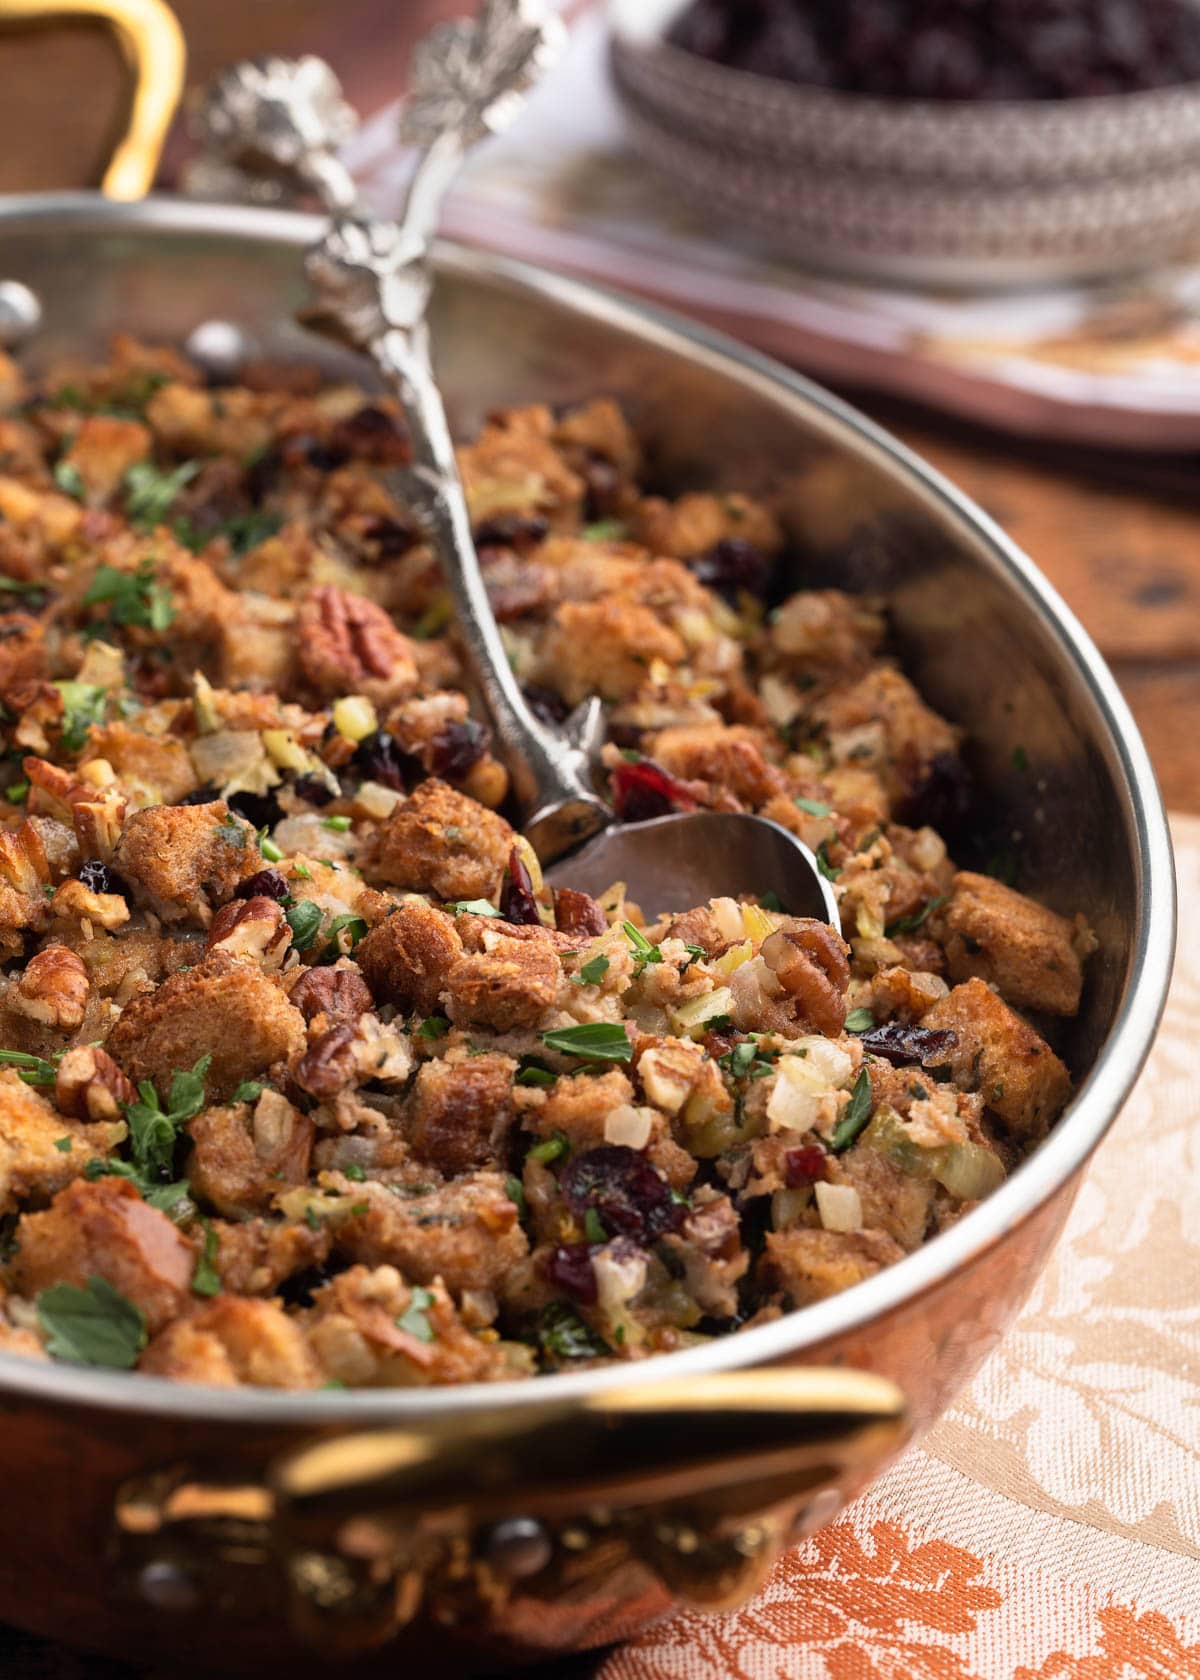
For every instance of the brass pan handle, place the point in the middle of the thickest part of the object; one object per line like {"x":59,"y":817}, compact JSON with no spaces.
{"x":153,"y":45}
{"x":698,"y":1485}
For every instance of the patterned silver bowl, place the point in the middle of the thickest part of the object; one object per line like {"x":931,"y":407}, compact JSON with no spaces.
{"x":974,"y":194}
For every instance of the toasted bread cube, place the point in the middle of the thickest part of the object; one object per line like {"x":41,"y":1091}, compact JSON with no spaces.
{"x":224,"y":1008}
{"x":442,"y":842}
{"x":40,"y":1152}
{"x":881,"y":723}
{"x":370,"y":1329}
{"x":510,"y":983}
{"x":467,"y":1233}
{"x":182,"y":860}
{"x":406,"y":958}
{"x":241,"y":1158}
{"x":460,"y":1113}
{"x":232,"y":1341}
{"x":730,"y":757}
{"x":999,"y":1055}
{"x":1018,"y":946}
{"x":605,"y":647}
{"x":811,"y":1265}
{"x":103,"y":450}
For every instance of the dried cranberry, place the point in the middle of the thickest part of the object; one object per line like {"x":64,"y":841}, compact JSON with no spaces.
{"x":578,"y":912}
{"x":268,"y":883}
{"x":457,"y":748}
{"x":944,"y":798}
{"x":629,"y":1197}
{"x":261,"y":809}
{"x":804,"y":1166}
{"x":522,"y":531}
{"x":314,"y":789}
{"x":603,"y":483}
{"x":644,"y":790}
{"x":380,"y":758}
{"x":97,"y":877}
{"x":546,"y":704}
{"x":199,"y":796}
{"x":517,"y":903}
{"x":900,"y":1044}
{"x":372,"y":434}
{"x":733,"y":567}
{"x":570,"y":1267}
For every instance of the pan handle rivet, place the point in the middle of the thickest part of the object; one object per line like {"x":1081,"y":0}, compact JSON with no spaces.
{"x":167,"y":1586}
{"x":517,"y":1547}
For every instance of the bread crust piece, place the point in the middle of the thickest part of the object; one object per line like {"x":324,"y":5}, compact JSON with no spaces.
{"x":811,"y":1264}
{"x":1017,"y":945}
{"x":460,"y":1113}
{"x":440,"y":841}
{"x":242,"y":1157}
{"x":232,"y":1341}
{"x":33,"y":1163}
{"x":224,"y":1008}
{"x":406,"y":958}
{"x":999,"y":1054}
{"x":467,"y":1233}
{"x":184,"y":860}
{"x":105,"y":1229}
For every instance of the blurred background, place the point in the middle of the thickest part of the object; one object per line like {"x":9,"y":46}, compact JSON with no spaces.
{"x":978,"y":218}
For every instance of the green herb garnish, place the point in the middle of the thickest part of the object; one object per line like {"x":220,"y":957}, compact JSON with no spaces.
{"x":534,"y":1073}
{"x":814,"y":807}
{"x":17,"y":792}
{"x":823,"y":863}
{"x":206,"y":1280}
{"x":644,"y":950}
{"x":592,"y":972}
{"x":355,"y":1173}
{"x":149,"y":491}
{"x":471,"y":907}
{"x":83,"y":705}
{"x":605,"y":530}
{"x":349,"y":924}
{"x":243,"y":532}
{"x":433,"y":1026}
{"x":859,"y":1021}
{"x":594,"y":1041}
{"x":336,"y":825}
{"x":91,"y":1326}
{"x":1020,"y":759}
{"x":248,"y":1091}
{"x":33,"y":1070}
{"x":910,"y":924}
{"x":304,"y":919}
{"x":593,"y":1228}
{"x":70,"y":480}
{"x":854,"y":1120}
{"x":562,"y":1334}
{"x":515,"y":1191}
{"x":549,"y":1149}
{"x":153,"y":1129}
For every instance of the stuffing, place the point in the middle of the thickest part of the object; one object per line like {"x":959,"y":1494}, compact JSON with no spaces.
{"x":405,"y":960}
{"x":605,"y":647}
{"x":40,"y":1151}
{"x":242,"y":1157}
{"x":810,"y":1265}
{"x":1000,"y":1055}
{"x":460,"y":1113}
{"x":231,"y":1341}
{"x":442,"y":842}
{"x":184,"y":860}
{"x":466,"y":1233}
{"x":1028,"y":953}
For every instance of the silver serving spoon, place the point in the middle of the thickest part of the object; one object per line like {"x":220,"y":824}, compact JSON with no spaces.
{"x":372,"y":281}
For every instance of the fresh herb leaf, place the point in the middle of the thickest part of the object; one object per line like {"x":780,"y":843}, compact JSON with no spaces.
{"x":304,"y":919}
{"x":515,"y":1191}
{"x":91,"y":1326}
{"x":433,"y":1026}
{"x":1020,"y":759}
{"x":33,"y":1070}
{"x":63,"y":1145}
{"x":248,"y":1091}
{"x":644,"y":950}
{"x":20,"y":586}
{"x":149,"y":491}
{"x":243,"y":532}
{"x":534,"y":1073}
{"x":471,"y":907}
{"x":593,"y":1228}
{"x":153,"y":1129}
{"x":70,"y":480}
{"x":594,"y":1041}
{"x":355,"y":1173}
{"x":413,"y":1319}
{"x":562,"y":1334}
{"x":268,"y":848}
{"x":354,"y":929}
{"x":858,"y":1112}
{"x":171,"y":1199}
{"x":859,"y":1021}
{"x":823,"y":863}
{"x":206,"y":1280}
{"x":592,"y":971}
{"x":910,"y":924}
{"x":301,"y":870}
{"x":814,"y":807}
{"x":747,"y":1061}
{"x":549,"y":1149}
{"x":605,"y":530}
{"x":17,"y":792}
{"x":83,"y":705}
{"x":771,"y":901}
{"x":133,"y":598}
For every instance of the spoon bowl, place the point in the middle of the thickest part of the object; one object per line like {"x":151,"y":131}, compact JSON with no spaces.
{"x":676,"y":862}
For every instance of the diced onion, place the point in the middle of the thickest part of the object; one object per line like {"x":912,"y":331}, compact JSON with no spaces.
{"x":805,"y":1083}
{"x":283,"y":749}
{"x":968,"y":1171}
{"x":839,"y":1207}
{"x":629,"y":1126}
{"x":727,"y":914}
{"x":377,"y":801}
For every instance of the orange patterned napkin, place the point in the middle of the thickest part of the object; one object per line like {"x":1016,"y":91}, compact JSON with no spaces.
{"x":1049,"y":1527}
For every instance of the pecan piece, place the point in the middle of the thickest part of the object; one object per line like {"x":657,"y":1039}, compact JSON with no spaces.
{"x":329,"y":1064}
{"x":340,"y":994}
{"x":578,"y":912}
{"x":809,"y":961}
{"x":251,"y":927}
{"x":75,"y":902}
{"x":90,"y":1086}
{"x":53,"y":988}
{"x":348,"y":645}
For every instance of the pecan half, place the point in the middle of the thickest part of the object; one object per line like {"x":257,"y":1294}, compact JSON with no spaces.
{"x":90,"y":1085}
{"x":329,"y":1063}
{"x":340,"y":994}
{"x":251,"y":927}
{"x":348,"y":645}
{"x":810,"y":962}
{"x":53,"y":988}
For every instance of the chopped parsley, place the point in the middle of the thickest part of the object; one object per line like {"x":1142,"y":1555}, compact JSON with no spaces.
{"x":858,"y":1112}
{"x":133,"y":598}
{"x":83,"y":705}
{"x":248,"y":1091}
{"x":70,"y":480}
{"x":747,"y":1061}
{"x":268,"y":848}
{"x":771,"y":901}
{"x":352,"y":927}
{"x":593,"y":1228}
{"x":96,"y":1325}
{"x":471,"y":907}
{"x":153,"y":1129}
{"x":594,"y":1041}
{"x":534,"y":1072}
{"x":171,"y":1199}
{"x":206,"y":1280}
{"x":63,"y":1145}
{"x":17,"y":792}
{"x":33,"y":1070}
{"x":562,"y":1334}
{"x":304,"y":919}
{"x":150,"y":491}
{"x":433,"y":1026}
{"x":859,"y":1021}
{"x":515,"y":1191}
{"x":910,"y":924}
{"x":20,"y":586}
{"x":243,"y":532}
{"x":814,"y":807}
{"x":605,"y":530}
{"x":413,"y":1320}
{"x":592,"y":971}
{"x":644,"y":951}
{"x":354,"y":1173}
{"x":823,"y":863}
{"x":549,"y":1149}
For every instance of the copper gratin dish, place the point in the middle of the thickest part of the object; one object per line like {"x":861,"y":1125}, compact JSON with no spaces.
{"x":487,"y":1526}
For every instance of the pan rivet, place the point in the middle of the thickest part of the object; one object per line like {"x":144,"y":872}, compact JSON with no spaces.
{"x":167,"y":1586}
{"x":517,"y":1547}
